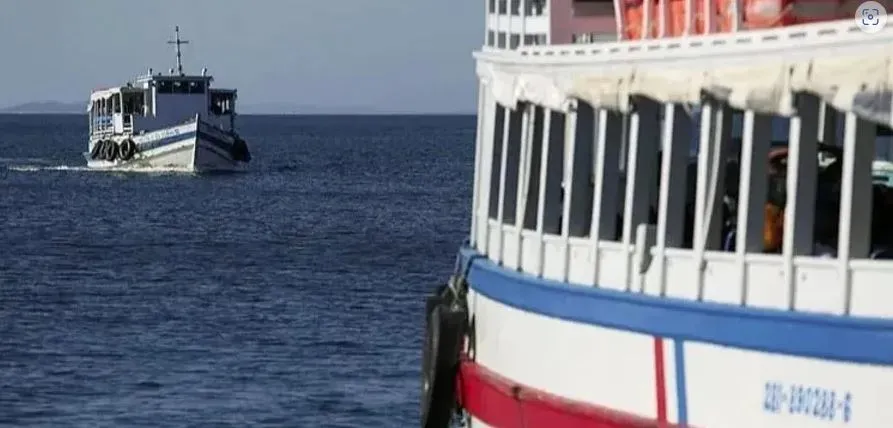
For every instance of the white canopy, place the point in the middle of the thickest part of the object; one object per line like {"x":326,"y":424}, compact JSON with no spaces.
{"x":861,"y":83}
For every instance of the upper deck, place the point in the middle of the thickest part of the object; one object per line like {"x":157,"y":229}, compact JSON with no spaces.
{"x":157,"y":100}
{"x":583,"y":171}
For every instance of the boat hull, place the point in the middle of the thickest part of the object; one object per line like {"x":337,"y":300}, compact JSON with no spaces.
{"x":192,"y":147}
{"x":547,"y":353}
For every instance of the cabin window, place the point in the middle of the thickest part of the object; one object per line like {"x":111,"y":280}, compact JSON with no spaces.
{"x":222,"y":103}
{"x":580,"y":190}
{"x":533,"y":179}
{"x":553,"y":199}
{"x":512,"y":166}
{"x":496,"y":168}
{"x":165,"y":87}
{"x":133,"y":103}
{"x":514,"y":41}
{"x":181,"y":87}
{"x":534,"y":39}
{"x":196,"y":87}
{"x":535,"y":7}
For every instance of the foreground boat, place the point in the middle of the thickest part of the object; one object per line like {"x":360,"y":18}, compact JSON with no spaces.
{"x":174,"y":121}
{"x":611,"y":281}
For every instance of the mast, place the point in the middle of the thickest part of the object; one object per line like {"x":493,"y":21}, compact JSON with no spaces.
{"x":178,"y":42}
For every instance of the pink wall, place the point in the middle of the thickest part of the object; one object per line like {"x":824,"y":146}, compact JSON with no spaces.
{"x":599,"y":19}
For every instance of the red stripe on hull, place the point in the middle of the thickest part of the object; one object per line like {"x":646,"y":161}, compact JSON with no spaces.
{"x":660,"y":388}
{"x":501,"y":403}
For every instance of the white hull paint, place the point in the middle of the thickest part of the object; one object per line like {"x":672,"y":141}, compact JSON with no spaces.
{"x":193,"y":151}
{"x":705,"y":384}
{"x":477,"y":423}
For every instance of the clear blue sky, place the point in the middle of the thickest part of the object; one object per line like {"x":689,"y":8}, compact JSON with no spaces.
{"x":407,"y":55}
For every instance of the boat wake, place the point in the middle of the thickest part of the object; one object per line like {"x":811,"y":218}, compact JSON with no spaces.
{"x":81,"y":168}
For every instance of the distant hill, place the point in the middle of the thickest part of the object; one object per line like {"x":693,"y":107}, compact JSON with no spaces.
{"x":46,"y":107}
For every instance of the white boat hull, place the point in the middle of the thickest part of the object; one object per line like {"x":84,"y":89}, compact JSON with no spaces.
{"x":595,"y":354}
{"x":191,"y":147}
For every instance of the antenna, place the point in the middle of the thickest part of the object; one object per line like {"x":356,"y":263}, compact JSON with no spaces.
{"x":178,"y":42}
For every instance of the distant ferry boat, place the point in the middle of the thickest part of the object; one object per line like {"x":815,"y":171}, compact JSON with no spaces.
{"x":174,"y":121}
{"x":613,"y":278}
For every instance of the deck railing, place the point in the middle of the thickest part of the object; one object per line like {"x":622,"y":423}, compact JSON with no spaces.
{"x":103,"y":125}
{"x":811,"y":284}
{"x":530,"y":155}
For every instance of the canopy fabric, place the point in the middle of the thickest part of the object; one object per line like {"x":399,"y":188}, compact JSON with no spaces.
{"x":859,"y":83}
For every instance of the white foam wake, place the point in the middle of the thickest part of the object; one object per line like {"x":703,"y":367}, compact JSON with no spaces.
{"x":144,"y":170}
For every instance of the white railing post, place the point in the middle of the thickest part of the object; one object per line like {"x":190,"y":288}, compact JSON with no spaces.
{"x":486,"y":176}
{"x":752,"y":187}
{"x":570,"y":136}
{"x":605,"y":182}
{"x":500,"y":216}
{"x":527,"y":123}
{"x":541,"y":199}
{"x":676,"y":142}
{"x":478,"y":161}
{"x":854,"y":236}
{"x":705,"y":150}
{"x":799,"y":214}
{"x":641,"y":151}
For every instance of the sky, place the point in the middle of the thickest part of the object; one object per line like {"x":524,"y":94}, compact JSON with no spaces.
{"x":383,"y":55}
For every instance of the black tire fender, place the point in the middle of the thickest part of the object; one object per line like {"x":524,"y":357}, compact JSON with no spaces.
{"x":127,"y":149}
{"x":444,"y":331}
{"x":96,"y":150}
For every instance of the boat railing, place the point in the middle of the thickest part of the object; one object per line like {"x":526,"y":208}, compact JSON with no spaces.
{"x":856,"y":287}
{"x":590,"y":186}
{"x":799,"y":36}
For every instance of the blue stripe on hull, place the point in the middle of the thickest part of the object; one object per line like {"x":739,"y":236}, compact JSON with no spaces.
{"x":220,"y":143}
{"x":154,"y":144}
{"x":852,"y":339}
{"x":217,"y":142}
{"x":681,"y":390}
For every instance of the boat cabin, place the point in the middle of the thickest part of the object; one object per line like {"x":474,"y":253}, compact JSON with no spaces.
{"x":156,"y":101}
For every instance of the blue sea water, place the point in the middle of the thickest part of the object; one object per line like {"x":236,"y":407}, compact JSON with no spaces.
{"x":290,"y":295}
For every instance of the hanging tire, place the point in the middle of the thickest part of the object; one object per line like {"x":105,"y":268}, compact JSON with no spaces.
{"x":111,"y":151}
{"x":445,"y":327}
{"x":126,"y":150}
{"x":239,"y":150}
{"x":96,"y":150}
{"x":104,"y":149}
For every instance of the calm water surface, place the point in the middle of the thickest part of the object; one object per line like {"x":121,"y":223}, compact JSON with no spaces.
{"x":290,"y":295}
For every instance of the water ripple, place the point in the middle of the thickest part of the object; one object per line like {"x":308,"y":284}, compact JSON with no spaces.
{"x":287,"y":296}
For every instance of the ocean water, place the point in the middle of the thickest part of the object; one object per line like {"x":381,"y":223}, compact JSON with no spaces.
{"x":290,"y":295}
